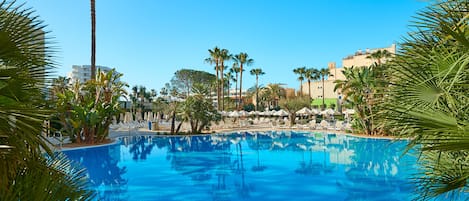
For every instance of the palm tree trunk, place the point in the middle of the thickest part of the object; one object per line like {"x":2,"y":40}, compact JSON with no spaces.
{"x":240,"y":85}
{"x":257,"y":92}
{"x":236,"y":90}
{"x":309,"y":88}
{"x":218,"y":87}
{"x":93,"y":39}
{"x":323,"y":102}
{"x":222,"y":69}
{"x":301,"y":87}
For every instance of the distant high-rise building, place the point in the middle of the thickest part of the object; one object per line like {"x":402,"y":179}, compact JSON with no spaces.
{"x":82,"y":73}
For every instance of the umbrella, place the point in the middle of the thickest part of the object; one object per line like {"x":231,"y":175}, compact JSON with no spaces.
{"x":233,"y":114}
{"x":349,"y":111}
{"x":315,"y":111}
{"x":304,"y":111}
{"x":243,"y":113}
{"x":328,"y":112}
{"x":254,"y":113}
{"x":281,"y":113}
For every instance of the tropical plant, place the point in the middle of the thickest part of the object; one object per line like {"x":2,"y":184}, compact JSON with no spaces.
{"x":359,"y":89}
{"x":273,"y":93}
{"x":294,"y":104}
{"x":428,"y":100}
{"x":229,"y":77}
{"x":242,"y":59}
{"x":87,"y":110}
{"x":256,"y":72}
{"x":301,"y":76}
{"x":198,"y":110}
{"x":323,"y":73}
{"x":25,"y":66}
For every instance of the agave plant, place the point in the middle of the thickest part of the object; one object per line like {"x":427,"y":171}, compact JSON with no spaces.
{"x":428,"y":97}
{"x":25,"y":63}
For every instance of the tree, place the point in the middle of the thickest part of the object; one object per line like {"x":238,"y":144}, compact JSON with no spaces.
{"x":427,"y":98}
{"x":256,"y":72}
{"x":242,"y":59}
{"x":379,"y":55}
{"x":359,"y":89}
{"x":273,"y":93}
{"x":294,"y":104}
{"x":235,"y":68}
{"x":25,"y":67}
{"x":86,"y":110}
{"x":198,"y":110}
{"x":214,"y":58}
{"x":301,"y":76}
{"x":311,"y":74}
{"x":323,"y":73}
{"x":224,"y":56}
{"x":93,"y":39}
{"x":229,"y":77}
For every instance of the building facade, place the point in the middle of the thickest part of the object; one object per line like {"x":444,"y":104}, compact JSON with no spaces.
{"x":82,"y":73}
{"x":359,"y":59}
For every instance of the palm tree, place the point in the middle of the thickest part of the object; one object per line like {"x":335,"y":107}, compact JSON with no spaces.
{"x":25,"y":67}
{"x":379,"y":55}
{"x":301,"y":76}
{"x":257,"y":72}
{"x":323,"y":73}
{"x":93,"y":39}
{"x":229,"y":77}
{"x":215,"y":59}
{"x":427,"y":100}
{"x":224,"y":56}
{"x":311,"y":74}
{"x":242,"y":59}
{"x":235,"y":68}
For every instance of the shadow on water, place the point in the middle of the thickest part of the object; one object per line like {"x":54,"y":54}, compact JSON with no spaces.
{"x":106,"y":176}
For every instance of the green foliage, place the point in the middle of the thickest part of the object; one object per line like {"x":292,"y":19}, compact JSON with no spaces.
{"x":361,"y":88}
{"x":184,"y":80}
{"x":25,"y":63}
{"x":294,"y":104}
{"x":428,"y":97}
{"x":86,"y":111}
{"x":249,"y":107}
{"x":198,"y":110}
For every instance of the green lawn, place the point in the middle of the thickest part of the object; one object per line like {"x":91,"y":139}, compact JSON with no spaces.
{"x":327,"y":101}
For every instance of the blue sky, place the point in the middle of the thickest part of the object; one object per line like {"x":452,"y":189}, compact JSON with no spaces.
{"x":148,"y":40}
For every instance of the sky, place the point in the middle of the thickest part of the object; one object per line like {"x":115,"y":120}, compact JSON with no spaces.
{"x":149,"y":40}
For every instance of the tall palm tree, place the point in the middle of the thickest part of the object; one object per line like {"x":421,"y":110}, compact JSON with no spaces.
{"x":301,"y":76}
{"x":242,"y":59}
{"x":25,"y":67}
{"x":93,"y":39}
{"x":323,"y":73}
{"x":224,"y":56}
{"x":235,"y":68}
{"x":311,"y":74}
{"x":257,"y":72}
{"x":215,"y":59}
{"x":229,"y":77}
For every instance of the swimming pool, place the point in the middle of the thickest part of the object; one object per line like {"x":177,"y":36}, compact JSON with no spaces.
{"x":284,"y":165}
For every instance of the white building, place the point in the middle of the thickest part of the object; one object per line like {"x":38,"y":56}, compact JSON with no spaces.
{"x":82,"y":73}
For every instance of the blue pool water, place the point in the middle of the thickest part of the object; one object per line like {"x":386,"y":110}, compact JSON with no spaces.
{"x":249,"y":166}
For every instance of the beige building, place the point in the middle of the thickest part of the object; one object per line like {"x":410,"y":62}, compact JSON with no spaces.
{"x":358,"y":59}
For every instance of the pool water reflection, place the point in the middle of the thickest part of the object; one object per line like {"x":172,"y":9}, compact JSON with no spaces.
{"x":249,"y":166}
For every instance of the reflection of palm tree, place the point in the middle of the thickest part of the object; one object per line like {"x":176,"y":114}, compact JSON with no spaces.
{"x":258,"y":168}
{"x":243,"y":189}
{"x":140,"y":150}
